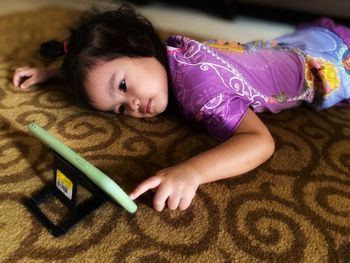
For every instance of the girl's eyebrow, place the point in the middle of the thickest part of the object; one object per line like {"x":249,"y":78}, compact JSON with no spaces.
{"x":111,"y":84}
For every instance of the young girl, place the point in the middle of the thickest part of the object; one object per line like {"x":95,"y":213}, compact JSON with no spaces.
{"x":115,"y":62}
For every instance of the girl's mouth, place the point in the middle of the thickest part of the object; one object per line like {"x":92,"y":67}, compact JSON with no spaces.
{"x":148,"y":107}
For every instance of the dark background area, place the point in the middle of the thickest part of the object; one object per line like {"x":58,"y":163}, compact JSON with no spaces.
{"x":290,"y":12}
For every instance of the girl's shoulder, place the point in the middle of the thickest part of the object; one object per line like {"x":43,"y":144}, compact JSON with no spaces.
{"x":180,"y":43}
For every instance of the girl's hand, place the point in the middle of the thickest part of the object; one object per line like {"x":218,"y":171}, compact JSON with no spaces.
{"x":26,"y":76}
{"x":175,"y":186}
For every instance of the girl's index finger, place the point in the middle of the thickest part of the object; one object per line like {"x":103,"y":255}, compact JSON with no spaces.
{"x":146,"y":185}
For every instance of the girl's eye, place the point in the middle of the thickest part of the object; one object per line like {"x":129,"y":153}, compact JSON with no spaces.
{"x":122,"y":86}
{"x":121,"y":109}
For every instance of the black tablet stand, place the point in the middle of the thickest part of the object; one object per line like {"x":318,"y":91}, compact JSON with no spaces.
{"x":67,"y":178}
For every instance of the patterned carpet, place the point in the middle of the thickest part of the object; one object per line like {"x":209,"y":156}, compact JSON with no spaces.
{"x":294,"y":208}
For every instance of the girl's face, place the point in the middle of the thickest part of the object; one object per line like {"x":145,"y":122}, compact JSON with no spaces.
{"x":137,"y":87}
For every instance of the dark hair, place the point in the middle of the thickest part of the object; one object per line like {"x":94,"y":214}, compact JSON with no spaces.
{"x":104,"y":37}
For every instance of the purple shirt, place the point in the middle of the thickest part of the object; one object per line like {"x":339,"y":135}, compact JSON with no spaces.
{"x":217,"y":86}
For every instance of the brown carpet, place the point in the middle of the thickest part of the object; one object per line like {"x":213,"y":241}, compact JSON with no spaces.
{"x":294,"y":208}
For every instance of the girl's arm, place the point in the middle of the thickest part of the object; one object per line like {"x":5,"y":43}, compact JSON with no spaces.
{"x":26,"y":76}
{"x":250,"y":146}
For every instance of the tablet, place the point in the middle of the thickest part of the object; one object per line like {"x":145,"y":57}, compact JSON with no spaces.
{"x":104,"y":182}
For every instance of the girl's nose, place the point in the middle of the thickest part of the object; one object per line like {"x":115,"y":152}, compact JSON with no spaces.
{"x":134,"y":104}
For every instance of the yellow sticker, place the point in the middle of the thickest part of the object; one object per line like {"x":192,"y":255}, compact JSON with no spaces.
{"x":64,"y":184}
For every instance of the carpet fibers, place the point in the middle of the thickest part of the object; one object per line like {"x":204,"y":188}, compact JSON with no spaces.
{"x":293,"y":208}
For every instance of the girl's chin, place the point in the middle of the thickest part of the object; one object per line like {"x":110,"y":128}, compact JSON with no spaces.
{"x":151,"y":115}
{"x":142,"y":116}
